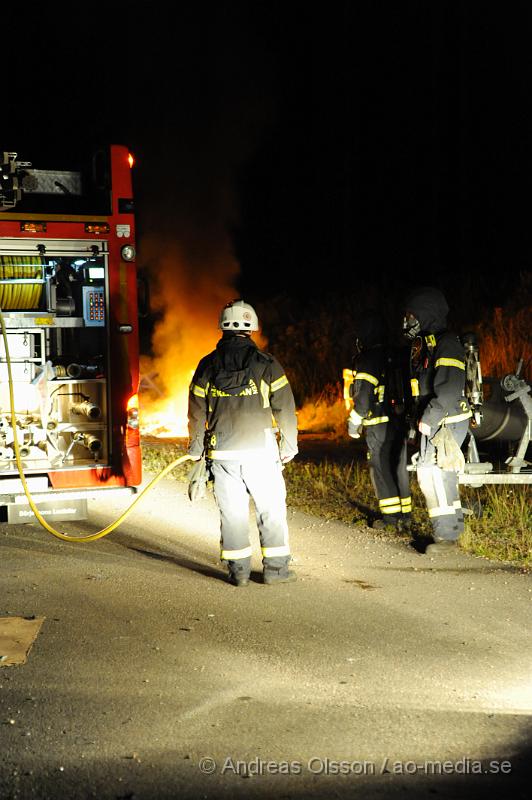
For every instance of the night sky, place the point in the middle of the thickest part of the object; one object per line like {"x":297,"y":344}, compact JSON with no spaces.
{"x":377,"y":141}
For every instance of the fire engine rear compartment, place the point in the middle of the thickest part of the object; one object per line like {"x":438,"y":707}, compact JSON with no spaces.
{"x":54,"y":299}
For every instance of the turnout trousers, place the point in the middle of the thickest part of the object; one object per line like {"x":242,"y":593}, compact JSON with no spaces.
{"x":440,"y":488}
{"x":387,"y":457}
{"x":261,"y":479}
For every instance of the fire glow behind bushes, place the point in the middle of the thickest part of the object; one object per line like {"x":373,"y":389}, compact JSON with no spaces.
{"x":190,"y":292}
{"x":188,"y":296}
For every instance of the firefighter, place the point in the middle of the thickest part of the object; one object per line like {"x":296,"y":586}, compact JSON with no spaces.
{"x":377,"y":413}
{"x":237,"y":394}
{"x":438,"y":382}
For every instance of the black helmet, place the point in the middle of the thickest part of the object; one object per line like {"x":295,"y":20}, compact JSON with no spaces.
{"x":426,"y":311}
{"x":370,"y":330}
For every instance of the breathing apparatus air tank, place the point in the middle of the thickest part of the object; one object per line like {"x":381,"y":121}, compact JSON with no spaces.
{"x":504,"y":419}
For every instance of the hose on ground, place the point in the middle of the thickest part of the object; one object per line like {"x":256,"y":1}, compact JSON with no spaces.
{"x":65,"y":537}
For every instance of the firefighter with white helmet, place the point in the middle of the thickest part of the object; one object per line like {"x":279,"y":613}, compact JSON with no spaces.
{"x":239,"y":398}
{"x":239,"y":316}
{"x":442,"y":410}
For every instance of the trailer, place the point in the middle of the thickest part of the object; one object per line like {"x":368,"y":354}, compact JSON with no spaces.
{"x":506,"y":417}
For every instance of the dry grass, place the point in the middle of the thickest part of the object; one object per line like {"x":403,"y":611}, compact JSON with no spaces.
{"x":343,"y":492}
{"x":503,"y":341}
{"x":314,"y":345}
{"x":503,"y":531}
{"x":157,"y":454}
{"x":325,"y":413}
{"x":329,"y":490}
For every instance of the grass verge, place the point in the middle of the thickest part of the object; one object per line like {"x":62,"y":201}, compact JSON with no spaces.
{"x":498,"y":527}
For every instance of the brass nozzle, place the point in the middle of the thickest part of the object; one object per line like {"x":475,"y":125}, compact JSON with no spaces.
{"x":91,"y":442}
{"x":90,"y":410}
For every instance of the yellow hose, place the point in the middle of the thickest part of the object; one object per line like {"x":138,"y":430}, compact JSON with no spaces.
{"x":36,"y":293}
{"x":23,"y":287}
{"x":65,"y":537}
{"x":27,"y":288}
{"x":24,"y":293}
{"x":21,"y":296}
{"x":2,"y":285}
{"x":8,"y":288}
{"x":15,"y":288}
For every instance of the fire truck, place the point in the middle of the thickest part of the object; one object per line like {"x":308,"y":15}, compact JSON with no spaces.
{"x":68,"y":301}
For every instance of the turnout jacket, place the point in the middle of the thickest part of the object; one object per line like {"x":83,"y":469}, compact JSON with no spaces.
{"x":438,"y":373}
{"x":437,"y":362}
{"x":368,"y":390}
{"x":237,"y":395}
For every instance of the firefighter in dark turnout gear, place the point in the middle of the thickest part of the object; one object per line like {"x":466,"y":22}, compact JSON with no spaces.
{"x":237,"y":394}
{"x":377,"y":416}
{"x":438,"y":381}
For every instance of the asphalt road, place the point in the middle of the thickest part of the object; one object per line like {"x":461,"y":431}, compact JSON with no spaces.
{"x":380,"y":673}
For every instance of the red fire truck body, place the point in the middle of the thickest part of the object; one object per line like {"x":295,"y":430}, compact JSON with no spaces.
{"x":68,"y":295}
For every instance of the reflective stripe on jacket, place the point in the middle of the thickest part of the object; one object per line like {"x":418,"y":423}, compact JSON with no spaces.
{"x":238,"y":395}
{"x":440,"y":373}
{"x":368,"y":390}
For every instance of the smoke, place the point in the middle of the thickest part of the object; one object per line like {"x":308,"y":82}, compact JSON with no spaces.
{"x":188,"y":296}
{"x":190,"y":300}
{"x":206,"y":100}
{"x":185,"y":246}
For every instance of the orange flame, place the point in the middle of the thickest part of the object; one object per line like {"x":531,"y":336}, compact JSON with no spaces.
{"x":190,"y":298}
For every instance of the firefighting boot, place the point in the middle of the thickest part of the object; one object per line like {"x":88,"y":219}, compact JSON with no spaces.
{"x":389,"y":524}
{"x":239,"y":572}
{"x":238,"y":580}
{"x":280,"y":575}
{"x":405,"y":523}
{"x":442,"y":547}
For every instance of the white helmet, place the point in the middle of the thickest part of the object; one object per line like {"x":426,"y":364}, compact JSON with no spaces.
{"x":238,"y":316}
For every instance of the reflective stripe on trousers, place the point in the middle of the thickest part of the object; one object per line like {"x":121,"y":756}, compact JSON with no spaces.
{"x":440,"y":488}
{"x":262,"y":480}
{"x":387,"y":456}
